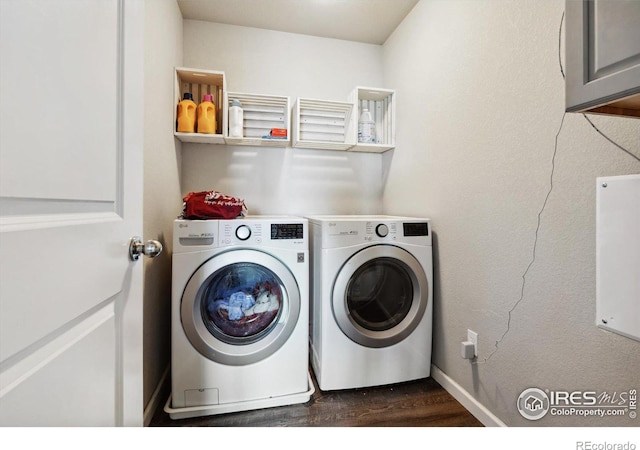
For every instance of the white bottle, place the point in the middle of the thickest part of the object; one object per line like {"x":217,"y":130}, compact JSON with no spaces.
{"x":235,"y":119}
{"x":366,"y":128}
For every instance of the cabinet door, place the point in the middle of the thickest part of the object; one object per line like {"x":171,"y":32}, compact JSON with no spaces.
{"x":602,"y":52}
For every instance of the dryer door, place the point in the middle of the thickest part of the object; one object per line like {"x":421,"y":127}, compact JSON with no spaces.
{"x":380,"y":295}
{"x":239,"y":307}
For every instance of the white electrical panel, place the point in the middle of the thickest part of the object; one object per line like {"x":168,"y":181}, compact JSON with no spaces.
{"x":618,"y":255}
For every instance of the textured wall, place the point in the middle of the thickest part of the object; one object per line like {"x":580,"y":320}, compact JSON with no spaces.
{"x":284,"y":180}
{"x":162,"y":196}
{"x":480,"y":99}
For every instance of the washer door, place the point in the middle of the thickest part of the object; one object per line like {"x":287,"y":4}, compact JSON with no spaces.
{"x":239,"y":307}
{"x":380,"y":296}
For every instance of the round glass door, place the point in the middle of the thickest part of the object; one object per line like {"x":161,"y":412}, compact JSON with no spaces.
{"x":240,"y":307}
{"x":242,"y":302}
{"x":380,"y":296}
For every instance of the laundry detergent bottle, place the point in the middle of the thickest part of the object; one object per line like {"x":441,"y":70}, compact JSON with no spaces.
{"x":235,"y":119}
{"x":207,"y":115}
{"x":186,"y":117}
{"x":366,"y":128}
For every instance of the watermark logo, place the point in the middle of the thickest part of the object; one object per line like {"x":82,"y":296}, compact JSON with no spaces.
{"x":588,"y":445}
{"x":533,"y":404}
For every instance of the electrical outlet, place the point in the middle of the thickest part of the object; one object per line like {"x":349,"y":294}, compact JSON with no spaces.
{"x":472,"y":336}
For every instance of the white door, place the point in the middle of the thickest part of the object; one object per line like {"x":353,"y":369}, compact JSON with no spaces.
{"x":70,"y":198}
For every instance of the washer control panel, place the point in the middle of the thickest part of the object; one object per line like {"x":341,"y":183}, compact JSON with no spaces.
{"x":254,"y":232}
{"x":280,"y":232}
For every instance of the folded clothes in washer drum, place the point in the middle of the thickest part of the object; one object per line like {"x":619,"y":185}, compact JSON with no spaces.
{"x":212,"y":205}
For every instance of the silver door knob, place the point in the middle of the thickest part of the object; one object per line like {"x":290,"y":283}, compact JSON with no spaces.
{"x":150,"y":248}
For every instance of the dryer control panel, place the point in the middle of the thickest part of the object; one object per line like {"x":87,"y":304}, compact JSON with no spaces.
{"x":381,"y":231}
{"x":343,"y":231}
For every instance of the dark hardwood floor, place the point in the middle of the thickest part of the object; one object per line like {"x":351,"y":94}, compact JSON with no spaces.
{"x":422,"y":403}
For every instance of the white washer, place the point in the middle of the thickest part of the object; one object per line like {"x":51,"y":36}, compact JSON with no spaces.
{"x":371,"y":302}
{"x":239,"y":318}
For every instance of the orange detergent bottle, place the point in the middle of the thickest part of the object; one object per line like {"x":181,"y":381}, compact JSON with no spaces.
{"x":186,"y":114}
{"x":207,"y":115}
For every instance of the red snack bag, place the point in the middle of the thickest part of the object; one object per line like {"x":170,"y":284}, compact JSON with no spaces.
{"x":212,"y":205}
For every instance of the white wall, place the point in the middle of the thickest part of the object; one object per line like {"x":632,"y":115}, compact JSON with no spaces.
{"x":480,"y":98}
{"x":162,"y":195}
{"x":284,"y":180}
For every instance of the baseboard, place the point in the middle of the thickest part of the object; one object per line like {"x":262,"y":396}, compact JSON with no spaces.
{"x":156,"y":399}
{"x":479,"y":411}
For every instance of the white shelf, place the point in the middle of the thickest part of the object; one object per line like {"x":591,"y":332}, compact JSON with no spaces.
{"x":322,"y":124}
{"x":261,"y":113}
{"x":381,"y":105}
{"x":199,"y":138}
{"x":198,"y":83}
{"x":316,"y":124}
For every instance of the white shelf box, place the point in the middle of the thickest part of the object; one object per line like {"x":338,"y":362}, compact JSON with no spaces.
{"x":198,"y":83}
{"x":261,"y":113}
{"x":382,"y":106}
{"x":323,"y":124}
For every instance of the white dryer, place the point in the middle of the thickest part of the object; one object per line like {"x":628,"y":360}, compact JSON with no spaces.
{"x":239,"y":318}
{"x":371,"y":302}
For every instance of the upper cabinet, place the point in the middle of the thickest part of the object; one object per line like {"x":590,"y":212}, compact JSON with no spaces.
{"x":262,"y":114}
{"x":382,"y":107}
{"x":322,"y":124}
{"x":199,"y":83}
{"x":603,"y":56}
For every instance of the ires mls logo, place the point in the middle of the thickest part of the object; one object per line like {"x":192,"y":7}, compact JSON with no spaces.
{"x":534,"y":403}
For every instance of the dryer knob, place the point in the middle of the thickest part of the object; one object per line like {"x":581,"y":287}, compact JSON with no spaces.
{"x":382,"y":230}
{"x":243,"y":232}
